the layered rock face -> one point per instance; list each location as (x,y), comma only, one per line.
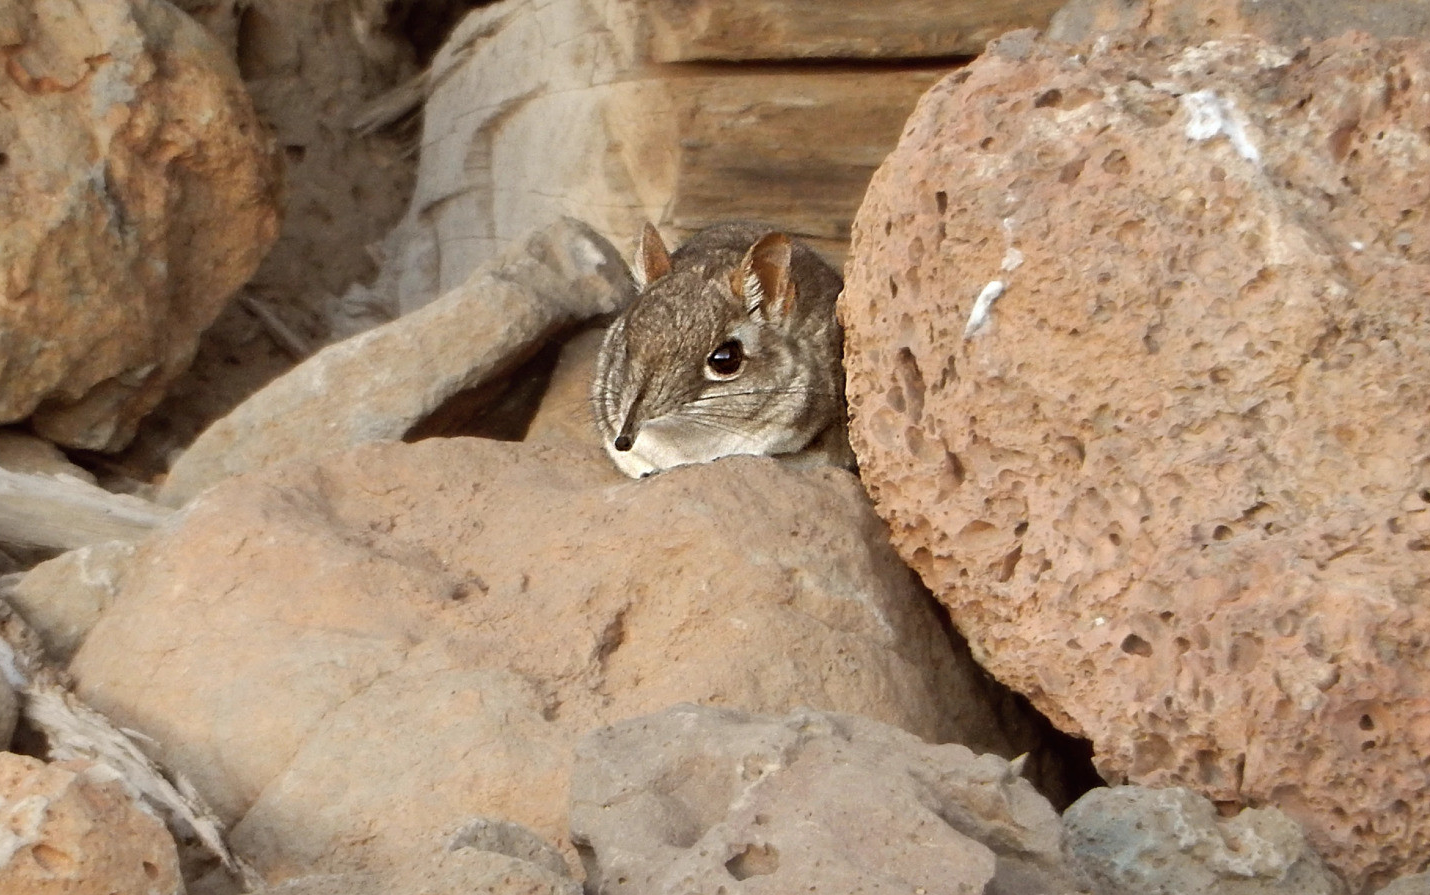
(137,193)
(360,653)
(1138,347)
(619,112)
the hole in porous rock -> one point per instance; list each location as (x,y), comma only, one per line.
(1116,163)
(1221,533)
(1134,645)
(54,861)
(985,143)
(1425,494)
(1071,171)
(940,199)
(1220,376)
(1053,98)
(1366,723)
(4,159)
(754,860)
(893,288)
(1009,564)
(1020,529)
(295,153)
(1114,539)
(151,869)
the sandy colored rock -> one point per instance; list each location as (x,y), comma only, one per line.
(698,799)
(137,193)
(364,651)
(1287,22)
(72,828)
(22,452)
(486,856)
(1169,472)
(379,384)
(1136,841)
(62,598)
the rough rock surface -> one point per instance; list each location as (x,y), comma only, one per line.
(1287,22)
(1136,841)
(490,857)
(364,650)
(1137,347)
(137,192)
(71,828)
(699,799)
(378,384)
(1416,884)
(62,598)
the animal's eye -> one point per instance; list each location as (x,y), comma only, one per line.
(725,361)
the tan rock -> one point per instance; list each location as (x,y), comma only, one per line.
(697,799)
(379,384)
(1169,474)
(72,828)
(22,452)
(1131,841)
(359,653)
(136,194)
(62,598)
(1287,22)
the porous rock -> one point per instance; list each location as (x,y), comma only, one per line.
(378,384)
(71,828)
(699,799)
(1137,347)
(137,193)
(366,649)
(1136,841)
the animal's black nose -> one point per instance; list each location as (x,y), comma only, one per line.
(624,442)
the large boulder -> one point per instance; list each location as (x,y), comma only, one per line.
(1137,346)
(360,652)
(138,191)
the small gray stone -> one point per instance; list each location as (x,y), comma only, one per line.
(1132,840)
(699,799)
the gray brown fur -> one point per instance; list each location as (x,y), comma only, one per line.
(652,374)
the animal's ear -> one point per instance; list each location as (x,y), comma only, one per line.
(763,278)
(652,258)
